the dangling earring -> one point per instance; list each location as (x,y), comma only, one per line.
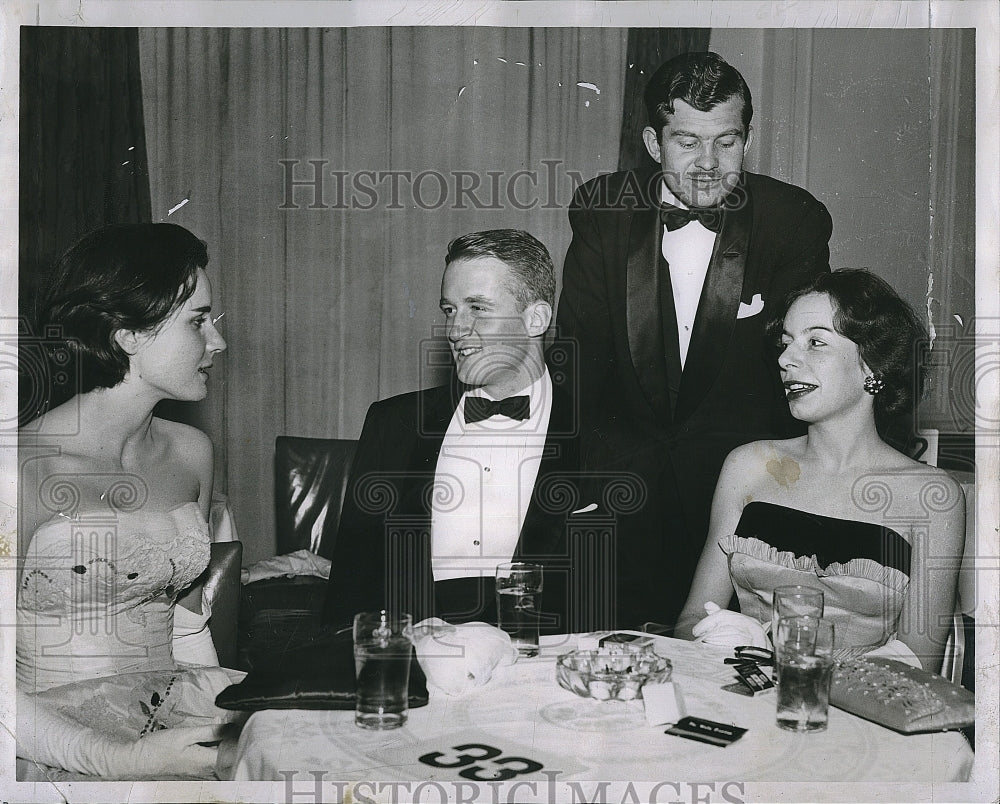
(874,384)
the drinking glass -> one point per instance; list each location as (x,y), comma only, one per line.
(803,658)
(382,649)
(795,601)
(519,593)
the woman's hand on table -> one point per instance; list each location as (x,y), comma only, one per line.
(185,751)
(729,629)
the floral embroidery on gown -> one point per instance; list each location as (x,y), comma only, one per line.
(95,611)
(862,569)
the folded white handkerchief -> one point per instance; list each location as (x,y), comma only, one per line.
(749,310)
(586,509)
(457,658)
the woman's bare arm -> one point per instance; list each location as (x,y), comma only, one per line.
(711,578)
(937,540)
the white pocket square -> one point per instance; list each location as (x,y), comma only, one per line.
(586,509)
(748,310)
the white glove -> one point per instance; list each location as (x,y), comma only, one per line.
(168,752)
(44,735)
(729,629)
(457,658)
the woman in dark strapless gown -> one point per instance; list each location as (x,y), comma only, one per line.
(114,535)
(837,509)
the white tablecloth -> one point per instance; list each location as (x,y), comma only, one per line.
(523,713)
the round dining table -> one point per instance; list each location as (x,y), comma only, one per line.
(522,728)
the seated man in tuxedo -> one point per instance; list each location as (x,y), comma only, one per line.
(451,481)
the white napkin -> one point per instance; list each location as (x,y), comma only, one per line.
(457,658)
(301,562)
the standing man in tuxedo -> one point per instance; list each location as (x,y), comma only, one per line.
(668,282)
(450,481)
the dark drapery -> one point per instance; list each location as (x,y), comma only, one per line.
(648,48)
(82,160)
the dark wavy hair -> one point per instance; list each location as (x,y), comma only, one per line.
(701,80)
(130,276)
(529,261)
(890,336)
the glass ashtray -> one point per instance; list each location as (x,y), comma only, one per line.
(611,674)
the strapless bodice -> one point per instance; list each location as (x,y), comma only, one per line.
(862,568)
(97,593)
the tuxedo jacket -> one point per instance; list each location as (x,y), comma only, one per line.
(674,428)
(382,555)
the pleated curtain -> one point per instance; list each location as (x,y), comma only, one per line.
(325,169)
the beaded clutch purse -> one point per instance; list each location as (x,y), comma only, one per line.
(900,697)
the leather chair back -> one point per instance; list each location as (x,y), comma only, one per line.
(222,588)
(310,482)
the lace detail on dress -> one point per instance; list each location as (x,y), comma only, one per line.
(98,593)
(121,563)
(856,568)
(95,614)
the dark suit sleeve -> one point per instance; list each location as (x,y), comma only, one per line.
(805,254)
(356,577)
(584,318)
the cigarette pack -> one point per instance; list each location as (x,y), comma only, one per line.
(599,640)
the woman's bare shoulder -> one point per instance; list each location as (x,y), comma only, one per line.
(184,442)
(61,424)
(50,470)
(756,454)
(934,487)
(930,495)
(908,474)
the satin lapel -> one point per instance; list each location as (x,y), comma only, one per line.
(716,317)
(544,522)
(671,344)
(436,409)
(645,322)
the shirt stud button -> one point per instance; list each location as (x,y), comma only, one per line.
(476,542)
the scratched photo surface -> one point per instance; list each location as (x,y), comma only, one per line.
(326,160)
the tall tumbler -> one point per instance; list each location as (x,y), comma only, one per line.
(795,601)
(519,597)
(803,657)
(382,649)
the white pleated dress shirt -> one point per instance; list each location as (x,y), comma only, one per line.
(484,478)
(687,250)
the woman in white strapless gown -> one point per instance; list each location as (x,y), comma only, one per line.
(113,512)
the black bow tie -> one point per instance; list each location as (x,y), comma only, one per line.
(674,217)
(478,408)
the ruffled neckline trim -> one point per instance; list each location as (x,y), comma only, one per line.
(866,568)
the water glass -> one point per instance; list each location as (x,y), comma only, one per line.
(519,597)
(382,649)
(803,658)
(795,601)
